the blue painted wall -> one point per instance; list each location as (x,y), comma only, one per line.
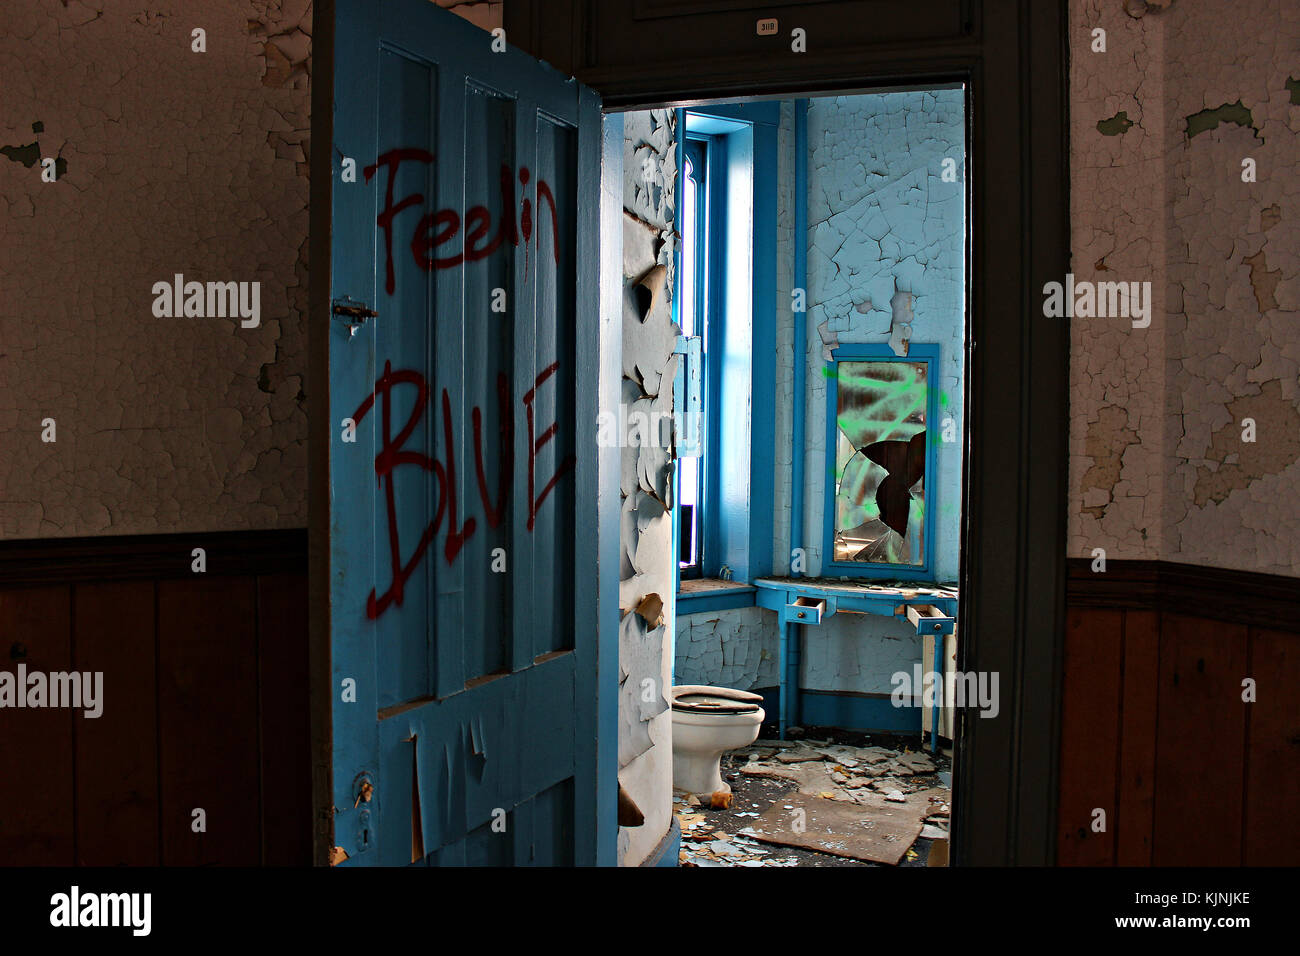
(886,252)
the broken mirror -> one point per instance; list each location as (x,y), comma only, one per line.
(879,481)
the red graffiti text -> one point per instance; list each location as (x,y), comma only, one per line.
(393,454)
(435,229)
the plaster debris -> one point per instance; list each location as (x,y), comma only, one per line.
(810,798)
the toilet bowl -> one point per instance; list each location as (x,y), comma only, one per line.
(707,722)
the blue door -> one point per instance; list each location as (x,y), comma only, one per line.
(463,348)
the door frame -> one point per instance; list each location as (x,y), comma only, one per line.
(320,215)
(1013,54)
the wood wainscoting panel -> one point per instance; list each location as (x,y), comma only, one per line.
(1201,777)
(208,719)
(1271,827)
(205,701)
(1090,729)
(1137,755)
(117,753)
(286,719)
(37,797)
(1200,752)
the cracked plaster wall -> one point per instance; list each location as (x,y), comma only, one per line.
(881,222)
(173,161)
(886,251)
(647,592)
(169,161)
(1158,467)
(740,648)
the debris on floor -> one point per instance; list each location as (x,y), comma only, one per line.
(843,800)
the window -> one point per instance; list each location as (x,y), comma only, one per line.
(693,312)
(880,483)
(725,306)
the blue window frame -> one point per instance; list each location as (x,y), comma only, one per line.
(733,265)
(693,310)
(881,487)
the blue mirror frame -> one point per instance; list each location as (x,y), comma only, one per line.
(929,354)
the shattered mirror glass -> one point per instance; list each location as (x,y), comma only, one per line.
(880,462)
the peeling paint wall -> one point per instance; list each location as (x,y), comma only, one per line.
(886,260)
(859,653)
(647,591)
(1117,373)
(171,161)
(1159,465)
(741,648)
(733,648)
(168,161)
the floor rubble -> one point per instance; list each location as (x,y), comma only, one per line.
(832,799)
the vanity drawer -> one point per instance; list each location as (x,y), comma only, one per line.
(804,610)
(928,619)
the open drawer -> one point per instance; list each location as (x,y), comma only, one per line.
(928,619)
(804,610)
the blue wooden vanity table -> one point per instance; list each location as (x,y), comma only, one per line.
(807,602)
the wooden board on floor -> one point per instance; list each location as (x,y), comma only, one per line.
(875,830)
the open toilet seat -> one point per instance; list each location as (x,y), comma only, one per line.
(700,699)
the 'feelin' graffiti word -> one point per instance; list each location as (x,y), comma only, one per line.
(436,229)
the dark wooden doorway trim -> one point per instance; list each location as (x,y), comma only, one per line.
(319,433)
(1013,54)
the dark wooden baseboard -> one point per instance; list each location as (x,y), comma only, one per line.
(154,556)
(1243,597)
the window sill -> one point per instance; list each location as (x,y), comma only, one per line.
(698,595)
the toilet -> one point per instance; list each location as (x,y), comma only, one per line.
(707,722)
